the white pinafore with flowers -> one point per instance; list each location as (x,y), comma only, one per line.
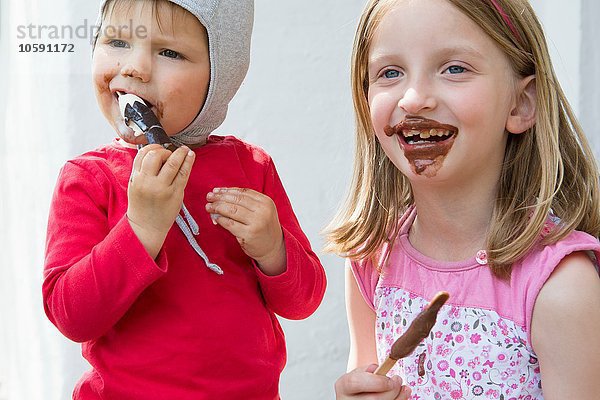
(480,346)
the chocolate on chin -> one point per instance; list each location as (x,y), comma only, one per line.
(139,117)
(416,332)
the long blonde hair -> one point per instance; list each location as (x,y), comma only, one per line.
(548,168)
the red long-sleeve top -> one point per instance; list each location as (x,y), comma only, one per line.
(170,328)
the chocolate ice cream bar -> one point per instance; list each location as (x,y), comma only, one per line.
(416,332)
(139,117)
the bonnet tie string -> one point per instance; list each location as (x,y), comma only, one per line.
(189,227)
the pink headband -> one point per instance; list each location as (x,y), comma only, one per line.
(506,19)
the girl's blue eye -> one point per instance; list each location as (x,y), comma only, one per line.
(391,74)
(456,69)
(170,53)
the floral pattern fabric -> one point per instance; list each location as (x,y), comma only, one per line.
(471,353)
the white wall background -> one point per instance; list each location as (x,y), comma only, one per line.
(295,103)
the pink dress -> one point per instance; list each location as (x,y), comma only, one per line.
(480,346)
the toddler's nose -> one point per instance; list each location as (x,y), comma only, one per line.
(137,67)
(415,101)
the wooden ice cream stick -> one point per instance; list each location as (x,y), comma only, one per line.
(416,332)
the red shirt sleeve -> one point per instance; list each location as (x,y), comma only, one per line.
(296,293)
(93,272)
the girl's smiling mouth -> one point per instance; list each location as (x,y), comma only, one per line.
(421,131)
(425,142)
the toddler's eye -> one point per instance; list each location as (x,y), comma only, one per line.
(170,53)
(118,43)
(456,69)
(391,74)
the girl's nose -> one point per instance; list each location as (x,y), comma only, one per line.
(139,66)
(415,101)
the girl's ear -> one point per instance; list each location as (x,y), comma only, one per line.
(522,115)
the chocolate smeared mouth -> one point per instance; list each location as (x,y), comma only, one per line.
(425,143)
(119,93)
(417,130)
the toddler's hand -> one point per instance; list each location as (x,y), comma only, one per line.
(252,218)
(155,192)
(361,383)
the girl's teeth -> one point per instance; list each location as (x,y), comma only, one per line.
(426,134)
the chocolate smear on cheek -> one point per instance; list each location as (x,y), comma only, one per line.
(159,109)
(103,88)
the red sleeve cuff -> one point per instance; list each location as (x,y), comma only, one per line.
(133,253)
(291,275)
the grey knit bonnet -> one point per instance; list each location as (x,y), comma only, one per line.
(229,27)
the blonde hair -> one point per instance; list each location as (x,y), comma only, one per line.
(548,168)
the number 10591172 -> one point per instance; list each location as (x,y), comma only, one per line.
(46,48)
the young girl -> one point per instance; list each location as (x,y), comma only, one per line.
(472,176)
(166,313)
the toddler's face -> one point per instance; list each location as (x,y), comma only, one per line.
(167,65)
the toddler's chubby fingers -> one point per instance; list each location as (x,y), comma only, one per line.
(147,162)
(236,228)
(233,216)
(245,194)
(153,161)
(176,170)
(141,154)
(230,208)
(245,198)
